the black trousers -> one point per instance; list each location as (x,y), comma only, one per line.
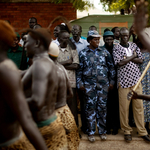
(72,103)
(82,99)
(112,119)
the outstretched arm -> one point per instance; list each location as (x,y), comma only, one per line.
(140,22)
(11,83)
(139,96)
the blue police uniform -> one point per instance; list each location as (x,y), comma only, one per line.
(95,73)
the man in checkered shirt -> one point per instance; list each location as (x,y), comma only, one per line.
(127,57)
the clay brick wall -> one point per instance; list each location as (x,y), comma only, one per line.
(19,13)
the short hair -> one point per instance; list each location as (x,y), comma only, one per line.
(80,28)
(106,30)
(42,34)
(63,28)
(92,27)
(90,38)
(123,29)
(8,34)
(34,19)
(61,32)
(113,29)
(70,43)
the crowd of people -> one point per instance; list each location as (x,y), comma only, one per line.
(46,83)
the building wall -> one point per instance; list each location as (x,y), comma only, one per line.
(19,13)
(96,20)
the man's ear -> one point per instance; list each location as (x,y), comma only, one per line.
(37,43)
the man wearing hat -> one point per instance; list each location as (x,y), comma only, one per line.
(17,55)
(112,121)
(94,76)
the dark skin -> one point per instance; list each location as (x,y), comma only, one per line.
(15,45)
(40,82)
(109,46)
(132,32)
(68,64)
(32,23)
(76,32)
(56,31)
(124,41)
(109,43)
(36,26)
(135,95)
(15,113)
(140,22)
(64,87)
(93,28)
(117,33)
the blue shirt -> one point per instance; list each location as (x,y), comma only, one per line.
(81,44)
(56,41)
(96,67)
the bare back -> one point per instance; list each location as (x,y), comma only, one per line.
(64,87)
(40,85)
(9,126)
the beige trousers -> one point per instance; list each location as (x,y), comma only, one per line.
(138,111)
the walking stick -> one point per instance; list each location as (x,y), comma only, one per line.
(129,96)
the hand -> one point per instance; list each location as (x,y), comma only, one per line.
(111,86)
(70,61)
(135,54)
(132,95)
(82,88)
(135,95)
(141,16)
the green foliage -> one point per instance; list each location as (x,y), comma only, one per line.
(77,4)
(121,4)
(117,5)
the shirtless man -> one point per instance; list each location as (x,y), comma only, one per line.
(14,111)
(40,84)
(64,93)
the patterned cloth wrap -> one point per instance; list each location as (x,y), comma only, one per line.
(54,135)
(22,143)
(146,85)
(70,126)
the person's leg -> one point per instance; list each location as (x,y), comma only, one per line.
(115,110)
(81,96)
(90,111)
(124,109)
(101,109)
(138,113)
(72,103)
(109,117)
